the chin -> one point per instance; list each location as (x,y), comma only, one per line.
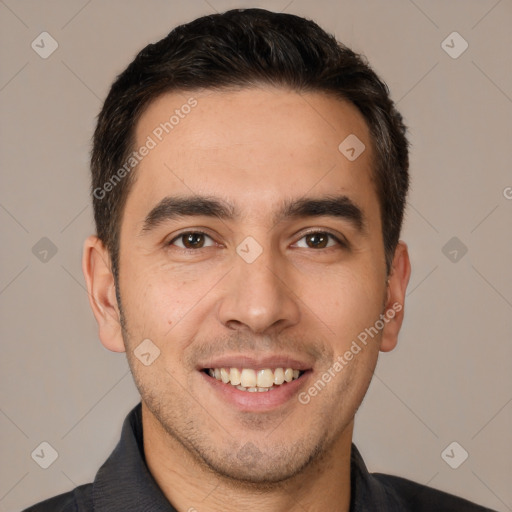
(249,467)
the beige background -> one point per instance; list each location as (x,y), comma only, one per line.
(450,377)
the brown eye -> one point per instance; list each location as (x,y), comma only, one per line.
(191,240)
(319,240)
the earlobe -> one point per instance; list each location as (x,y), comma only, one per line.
(395,298)
(102,294)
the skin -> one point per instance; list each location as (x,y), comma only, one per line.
(296,298)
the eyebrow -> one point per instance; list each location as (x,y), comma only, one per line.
(175,207)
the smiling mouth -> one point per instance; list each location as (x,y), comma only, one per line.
(248,379)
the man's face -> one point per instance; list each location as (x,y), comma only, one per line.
(264,285)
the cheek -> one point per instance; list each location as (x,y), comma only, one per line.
(347,301)
(156,299)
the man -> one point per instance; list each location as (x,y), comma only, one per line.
(249,180)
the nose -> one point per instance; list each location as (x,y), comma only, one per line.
(259,296)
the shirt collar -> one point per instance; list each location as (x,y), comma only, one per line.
(366,492)
(124,482)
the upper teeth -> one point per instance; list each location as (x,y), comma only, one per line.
(249,378)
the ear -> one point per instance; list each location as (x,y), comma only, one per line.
(396,288)
(96,267)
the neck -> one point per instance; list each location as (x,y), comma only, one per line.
(191,486)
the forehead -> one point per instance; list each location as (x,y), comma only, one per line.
(253,147)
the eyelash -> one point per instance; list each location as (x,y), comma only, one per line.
(341,243)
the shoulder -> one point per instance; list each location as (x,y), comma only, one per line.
(77,500)
(420,498)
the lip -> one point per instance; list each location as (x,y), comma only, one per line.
(246,401)
(256,363)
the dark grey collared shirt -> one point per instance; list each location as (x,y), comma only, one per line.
(124,484)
